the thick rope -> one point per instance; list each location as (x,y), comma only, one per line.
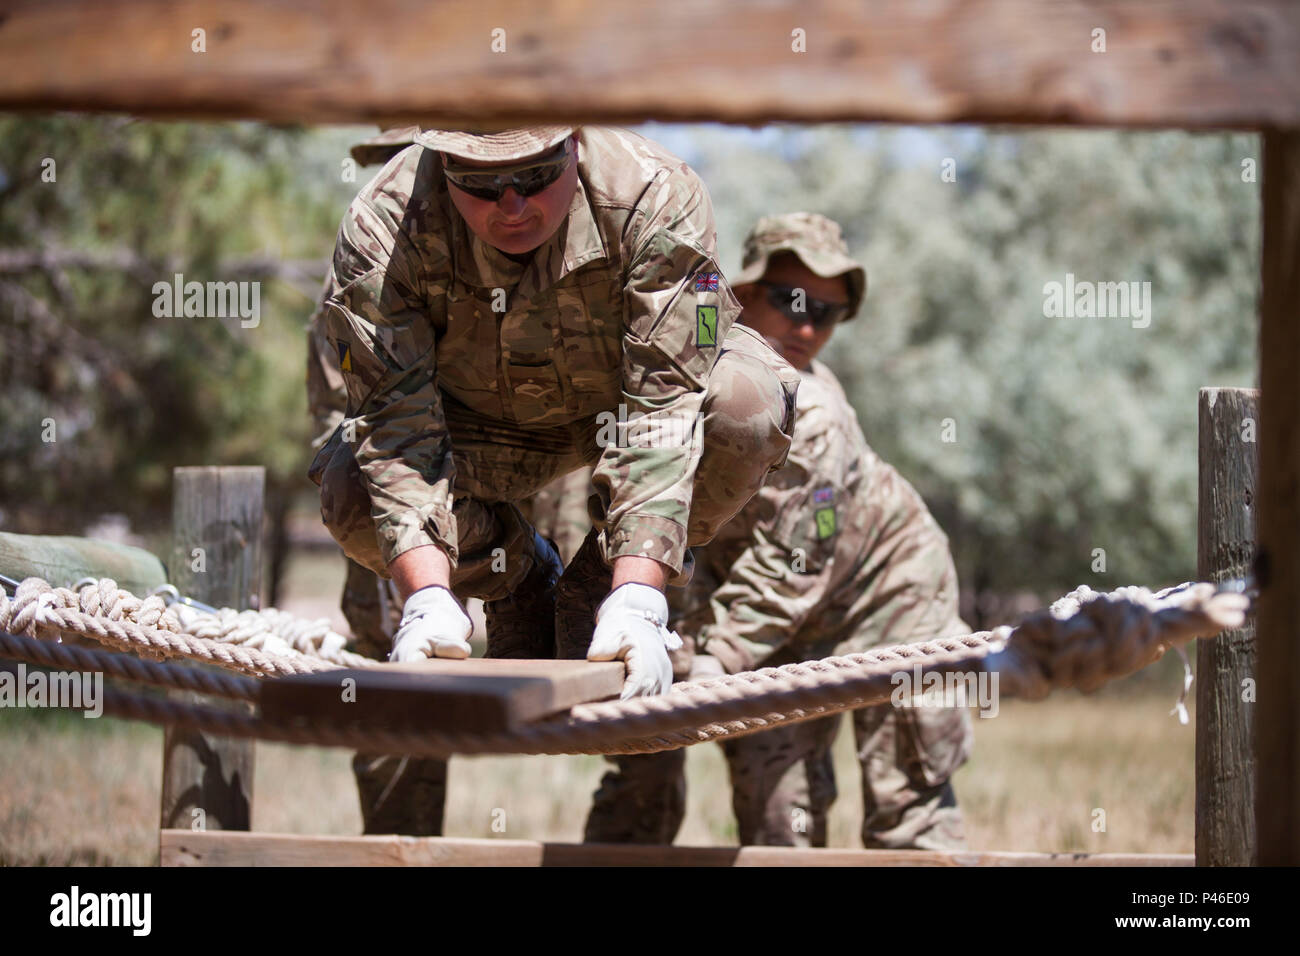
(70,657)
(118,619)
(1082,641)
(272,631)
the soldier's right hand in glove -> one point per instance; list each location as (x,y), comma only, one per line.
(631,625)
(433,625)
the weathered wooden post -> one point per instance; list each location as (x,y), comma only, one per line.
(1226,665)
(216,559)
(1277,725)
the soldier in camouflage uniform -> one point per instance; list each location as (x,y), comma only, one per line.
(507,309)
(837,554)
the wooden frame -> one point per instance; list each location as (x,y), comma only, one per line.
(1194,64)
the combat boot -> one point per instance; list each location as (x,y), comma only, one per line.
(522,625)
(584,584)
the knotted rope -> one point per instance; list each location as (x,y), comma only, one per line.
(118,619)
(1083,640)
(272,631)
(70,657)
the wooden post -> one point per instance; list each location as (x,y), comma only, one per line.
(1277,723)
(216,559)
(1225,710)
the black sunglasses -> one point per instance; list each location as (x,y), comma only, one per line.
(822,315)
(527,179)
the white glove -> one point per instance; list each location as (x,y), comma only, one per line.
(631,625)
(433,625)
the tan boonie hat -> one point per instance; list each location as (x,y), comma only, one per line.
(382,148)
(817,242)
(500,147)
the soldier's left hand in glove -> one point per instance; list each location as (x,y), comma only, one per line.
(632,626)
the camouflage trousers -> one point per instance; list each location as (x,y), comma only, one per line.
(783,780)
(783,784)
(559,512)
(748,419)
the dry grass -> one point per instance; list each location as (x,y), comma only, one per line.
(86,791)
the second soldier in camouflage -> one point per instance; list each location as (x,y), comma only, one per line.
(837,554)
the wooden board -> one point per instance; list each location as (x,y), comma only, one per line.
(63,560)
(475,694)
(186,848)
(1185,63)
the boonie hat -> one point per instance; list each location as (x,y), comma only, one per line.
(382,148)
(817,242)
(499,147)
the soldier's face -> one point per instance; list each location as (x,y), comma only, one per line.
(798,343)
(514,223)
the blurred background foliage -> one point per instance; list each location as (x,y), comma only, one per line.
(1072,434)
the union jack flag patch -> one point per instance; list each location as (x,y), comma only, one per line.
(706,282)
(823,496)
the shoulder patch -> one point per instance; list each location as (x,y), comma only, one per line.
(706,321)
(706,282)
(825,518)
(345,356)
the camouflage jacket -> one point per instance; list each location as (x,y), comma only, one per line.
(835,554)
(624,304)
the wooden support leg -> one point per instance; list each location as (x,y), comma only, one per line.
(1225,706)
(216,558)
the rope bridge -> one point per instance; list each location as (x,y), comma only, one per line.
(1084,640)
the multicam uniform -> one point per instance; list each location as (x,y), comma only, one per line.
(474,380)
(837,554)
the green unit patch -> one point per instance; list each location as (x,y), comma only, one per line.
(706,320)
(825,522)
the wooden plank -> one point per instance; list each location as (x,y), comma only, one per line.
(64,560)
(1183,63)
(1225,750)
(479,694)
(1277,724)
(186,848)
(216,558)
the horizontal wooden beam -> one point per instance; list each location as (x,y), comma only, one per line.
(217,848)
(63,560)
(442,695)
(1173,63)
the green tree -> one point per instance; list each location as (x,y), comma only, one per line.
(94,211)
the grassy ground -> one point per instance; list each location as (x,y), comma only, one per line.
(82,791)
